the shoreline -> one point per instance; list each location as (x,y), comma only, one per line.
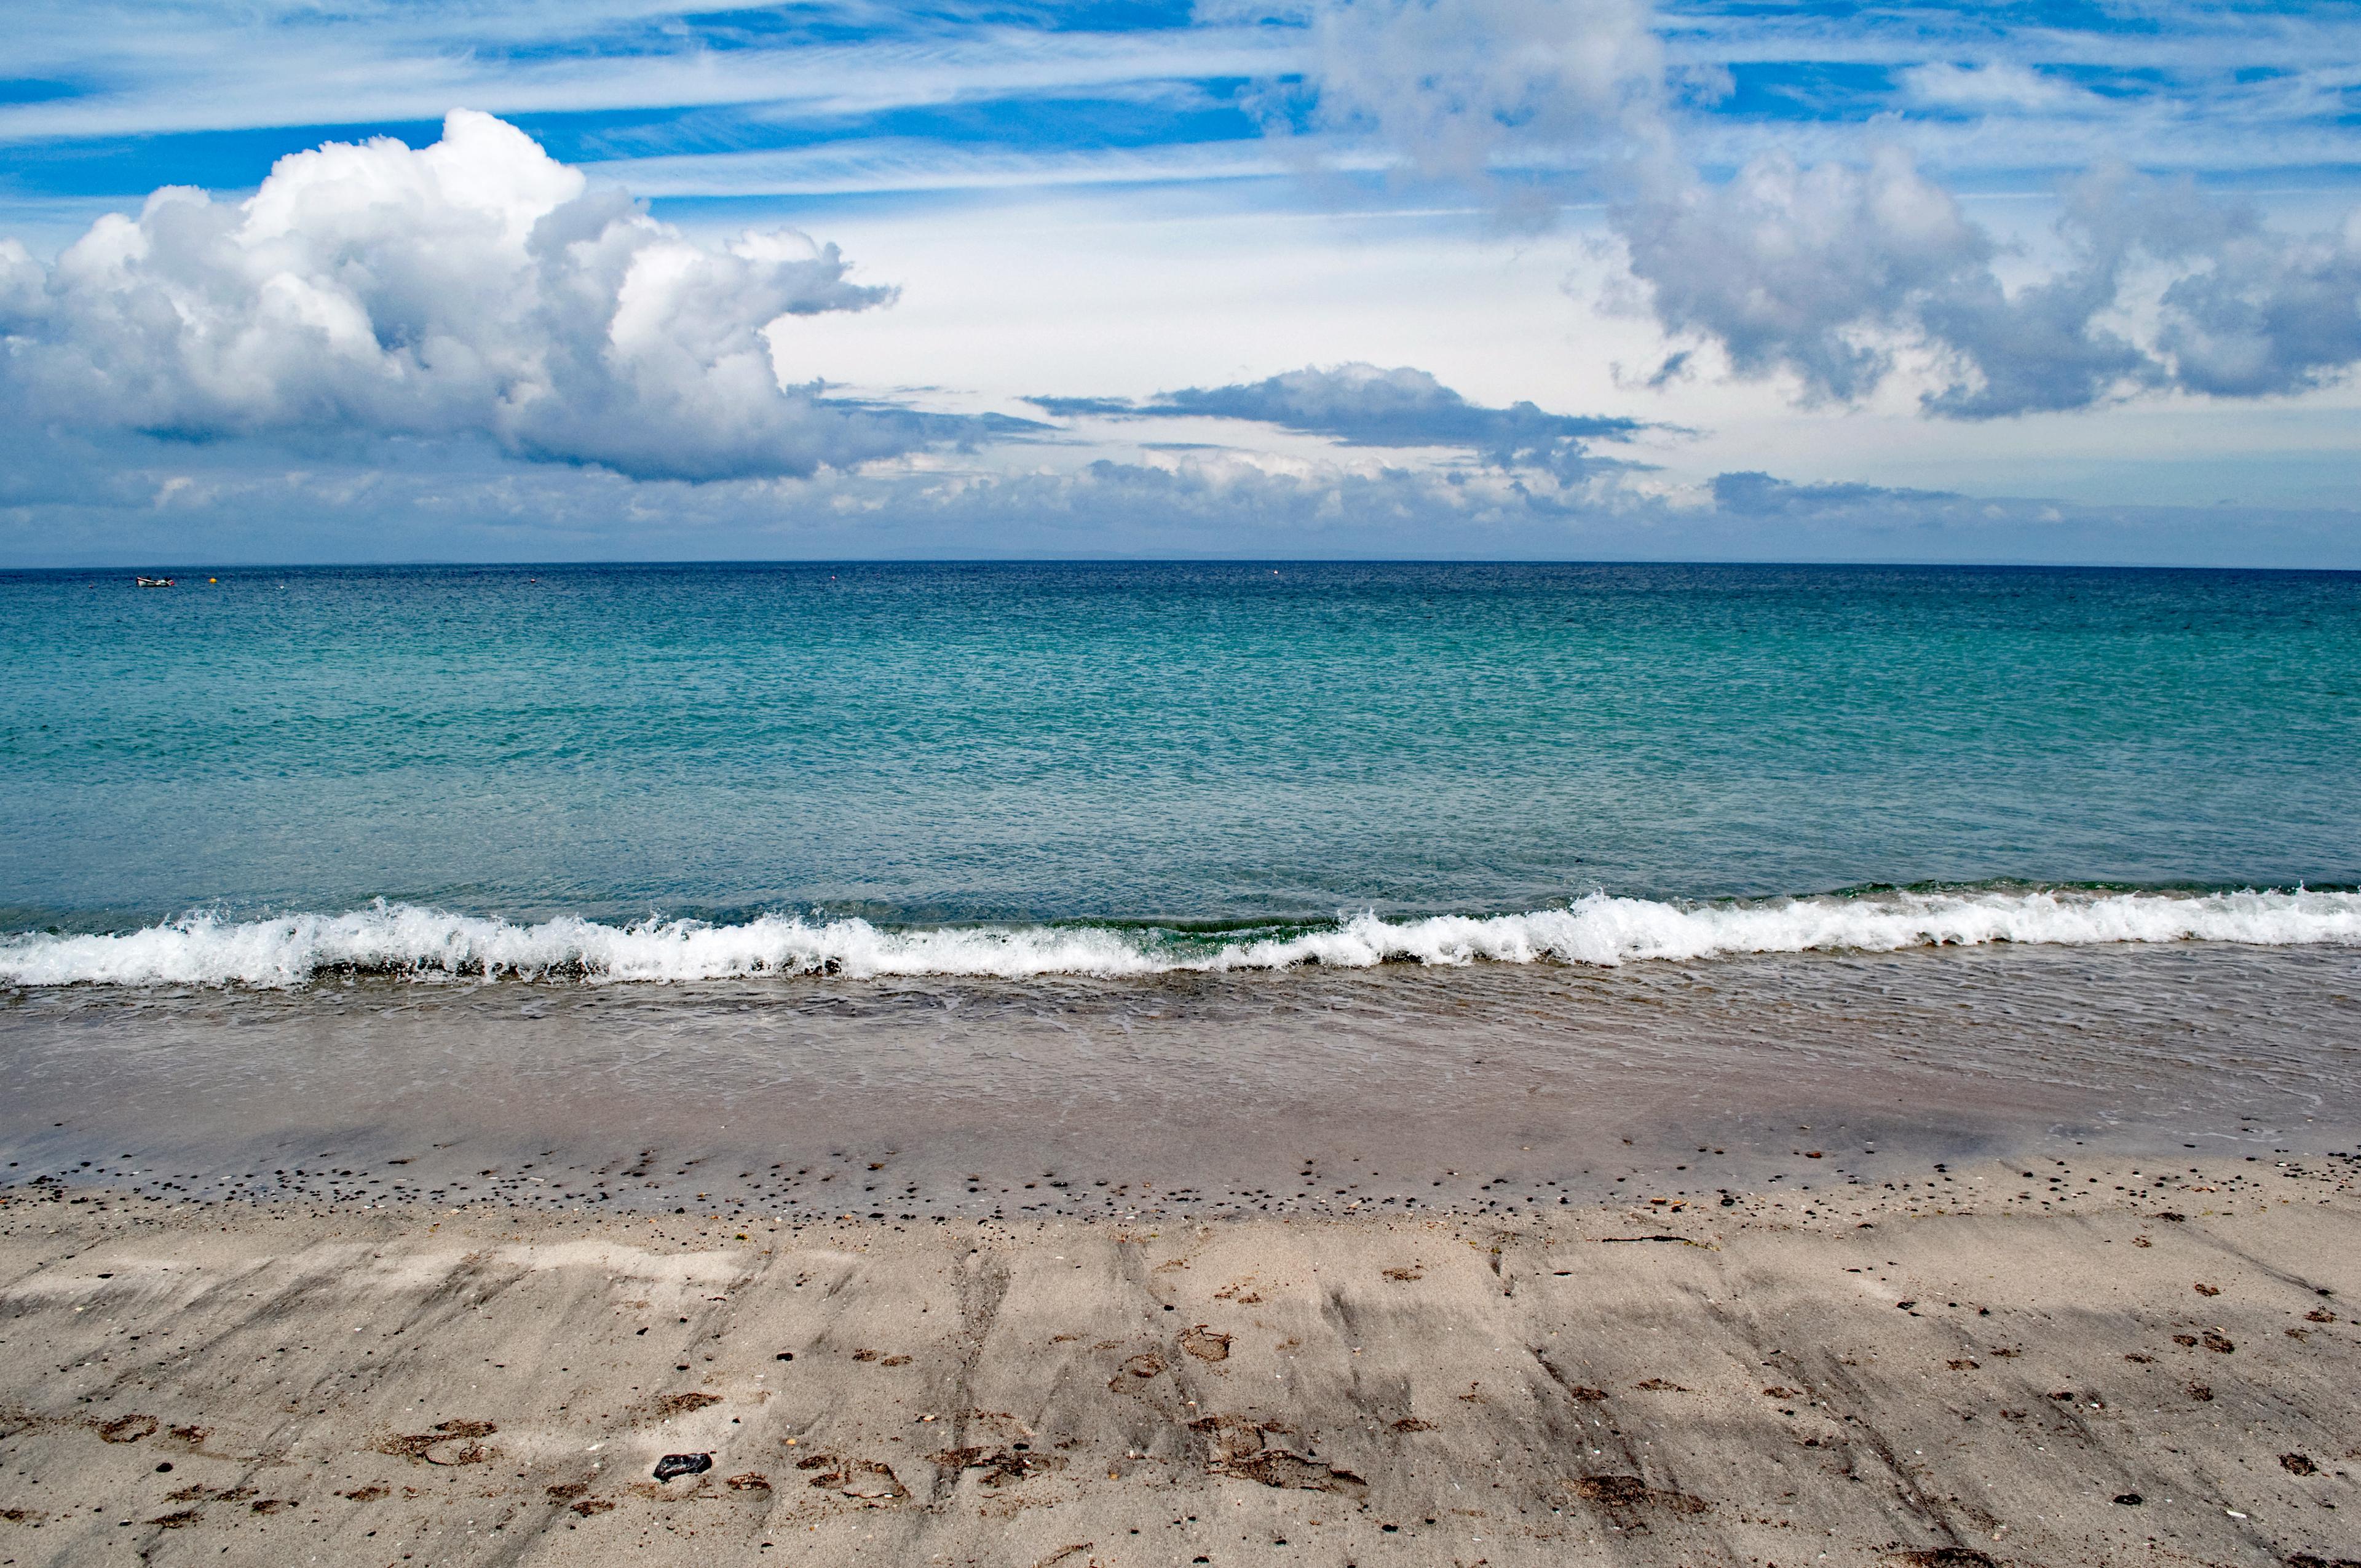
(418,943)
(1665,1383)
(1450,1091)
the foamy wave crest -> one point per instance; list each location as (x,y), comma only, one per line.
(419,943)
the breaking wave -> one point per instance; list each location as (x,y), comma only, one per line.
(410,941)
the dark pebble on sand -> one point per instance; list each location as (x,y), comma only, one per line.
(2128,1499)
(673,1464)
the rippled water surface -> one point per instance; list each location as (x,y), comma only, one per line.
(1156,743)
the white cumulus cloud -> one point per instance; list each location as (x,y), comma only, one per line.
(1822,273)
(474,287)
(1825,273)
(1784,264)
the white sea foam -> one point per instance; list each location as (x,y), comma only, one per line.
(408,941)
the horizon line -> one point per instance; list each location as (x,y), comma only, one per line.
(817,562)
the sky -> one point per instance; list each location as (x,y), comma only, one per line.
(615,279)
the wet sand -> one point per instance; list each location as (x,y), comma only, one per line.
(1495,1088)
(2086,1360)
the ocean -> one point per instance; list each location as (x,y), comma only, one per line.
(776,824)
(671,772)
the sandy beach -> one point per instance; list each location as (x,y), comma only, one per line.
(2078,1363)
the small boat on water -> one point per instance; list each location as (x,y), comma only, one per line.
(155,581)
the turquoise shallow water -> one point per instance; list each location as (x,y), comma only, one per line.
(1233,744)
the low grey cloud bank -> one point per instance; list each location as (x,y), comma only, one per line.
(1363,405)
(474,287)
(188,506)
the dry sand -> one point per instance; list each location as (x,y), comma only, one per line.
(2160,1369)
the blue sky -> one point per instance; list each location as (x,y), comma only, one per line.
(1342,276)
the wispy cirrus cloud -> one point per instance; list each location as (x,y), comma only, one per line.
(878,165)
(201,69)
(2229,88)
(2166,35)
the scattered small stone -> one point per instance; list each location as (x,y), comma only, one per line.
(673,1464)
